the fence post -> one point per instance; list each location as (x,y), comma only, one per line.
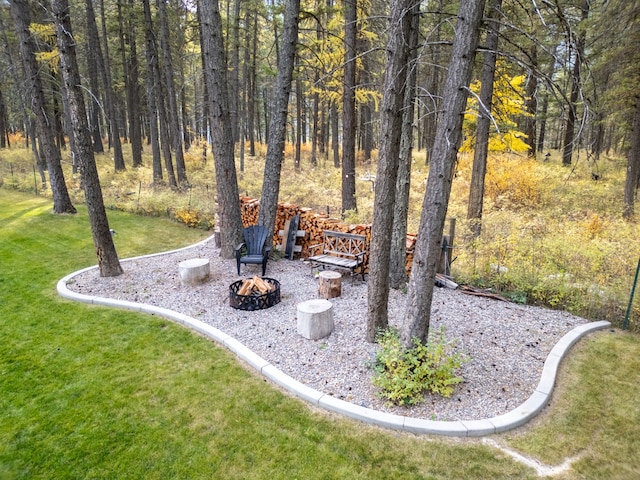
(633,291)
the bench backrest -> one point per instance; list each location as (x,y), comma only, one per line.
(348,244)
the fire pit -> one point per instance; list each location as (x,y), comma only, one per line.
(254,293)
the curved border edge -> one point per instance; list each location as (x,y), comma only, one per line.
(459,428)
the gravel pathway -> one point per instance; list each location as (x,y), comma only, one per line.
(506,343)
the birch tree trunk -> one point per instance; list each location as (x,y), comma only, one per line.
(445,149)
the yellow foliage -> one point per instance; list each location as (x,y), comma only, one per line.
(508,103)
(508,142)
(44,31)
(194,218)
(546,237)
(594,225)
(513,180)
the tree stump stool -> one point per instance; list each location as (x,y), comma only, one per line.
(194,271)
(315,319)
(329,284)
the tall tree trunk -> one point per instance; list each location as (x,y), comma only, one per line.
(173,114)
(252,93)
(154,136)
(108,262)
(349,109)
(323,133)
(133,90)
(366,124)
(569,140)
(222,137)
(234,71)
(386,175)
(57,114)
(123,60)
(94,104)
(152,108)
(4,130)
(445,149)
(531,104)
(542,124)
(34,91)
(544,107)
(335,142)
(315,111)
(245,87)
(433,93)
(315,100)
(278,123)
(632,181)
(156,83)
(397,268)
(110,99)
(481,150)
(30,125)
(598,140)
(299,126)
(204,129)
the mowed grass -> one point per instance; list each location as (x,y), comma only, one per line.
(90,392)
(595,414)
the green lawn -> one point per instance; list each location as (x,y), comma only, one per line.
(90,392)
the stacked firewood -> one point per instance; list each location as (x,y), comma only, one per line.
(285,212)
(411,246)
(249,208)
(255,286)
(313,225)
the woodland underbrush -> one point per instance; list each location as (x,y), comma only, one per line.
(551,235)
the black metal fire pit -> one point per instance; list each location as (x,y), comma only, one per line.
(254,301)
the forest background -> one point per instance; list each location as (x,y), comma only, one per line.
(557,216)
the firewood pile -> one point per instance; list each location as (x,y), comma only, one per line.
(255,286)
(249,208)
(411,246)
(313,224)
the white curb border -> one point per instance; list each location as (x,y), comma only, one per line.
(461,428)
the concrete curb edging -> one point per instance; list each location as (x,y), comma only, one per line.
(460,428)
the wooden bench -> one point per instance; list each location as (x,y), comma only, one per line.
(341,250)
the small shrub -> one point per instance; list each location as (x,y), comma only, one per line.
(594,226)
(511,183)
(406,375)
(194,218)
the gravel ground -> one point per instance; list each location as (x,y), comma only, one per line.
(506,343)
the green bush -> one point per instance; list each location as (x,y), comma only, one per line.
(406,375)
